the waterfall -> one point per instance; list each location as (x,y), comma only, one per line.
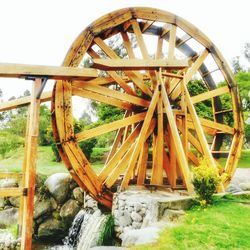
(86,229)
(82,216)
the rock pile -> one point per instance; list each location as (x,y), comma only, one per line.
(58,199)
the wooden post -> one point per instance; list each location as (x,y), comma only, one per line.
(30,168)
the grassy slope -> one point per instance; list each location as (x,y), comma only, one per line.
(224,225)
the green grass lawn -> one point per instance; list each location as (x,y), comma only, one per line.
(244,161)
(45,163)
(225,225)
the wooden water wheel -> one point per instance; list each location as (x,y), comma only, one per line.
(163,131)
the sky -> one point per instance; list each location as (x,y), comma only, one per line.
(41,31)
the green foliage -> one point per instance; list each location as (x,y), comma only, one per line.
(87,146)
(9,142)
(203,109)
(45,135)
(205,180)
(107,233)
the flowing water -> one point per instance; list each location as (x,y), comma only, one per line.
(84,233)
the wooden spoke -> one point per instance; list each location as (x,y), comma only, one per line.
(196,65)
(142,47)
(215,126)
(116,95)
(110,127)
(198,128)
(101,98)
(172,41)
(210,94)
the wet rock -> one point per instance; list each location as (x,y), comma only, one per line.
(52,229)
(43,207)
(2,202)
(5,183)
(69,210)
(8,217)
(90,202)
(59,186)
(14,201)
(125,220)
(138,207)
(78,195)
(136,225)
(136,217)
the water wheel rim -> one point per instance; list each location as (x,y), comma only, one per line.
(164,25)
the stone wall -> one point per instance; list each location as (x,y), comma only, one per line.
(138,214)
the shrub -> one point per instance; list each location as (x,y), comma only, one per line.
(205,180)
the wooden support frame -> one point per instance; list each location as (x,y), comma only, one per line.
(29,169)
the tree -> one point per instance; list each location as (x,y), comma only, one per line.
(247,51)
(236,64)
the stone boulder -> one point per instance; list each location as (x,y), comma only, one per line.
(69,210)
(78,195)
(59,186)
(7,183)
(8,217)
(43,207)
(52,229)
(14,201)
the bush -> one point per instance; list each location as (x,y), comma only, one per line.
(205,180)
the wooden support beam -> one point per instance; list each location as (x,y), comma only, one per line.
(11,192)
(30,168)
(118,79)
(157,169)
(10,175)
(119,154)
(103,129)
(142,164)
(139,64)
(23,101)
(141,139)
(182,160)
(50,72)
(210,94)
